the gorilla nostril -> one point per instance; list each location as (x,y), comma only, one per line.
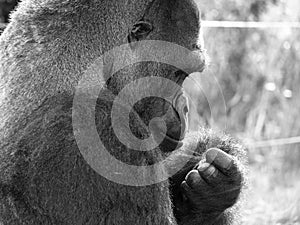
(185,110)
(196,47)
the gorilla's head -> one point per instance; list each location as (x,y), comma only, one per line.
(172,21)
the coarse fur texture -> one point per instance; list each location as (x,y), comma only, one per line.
(43,177)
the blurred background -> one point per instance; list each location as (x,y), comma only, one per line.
(251,89)
(258,72)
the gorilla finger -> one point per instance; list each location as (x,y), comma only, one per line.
(221,160)
(194,180)
(210,173)
(187,191)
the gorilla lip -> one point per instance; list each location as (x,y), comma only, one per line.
(180,76)
(180,106)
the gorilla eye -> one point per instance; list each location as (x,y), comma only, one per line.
(139,31)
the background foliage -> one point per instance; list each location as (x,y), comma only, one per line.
(259,74)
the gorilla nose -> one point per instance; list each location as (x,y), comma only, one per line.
(196,62)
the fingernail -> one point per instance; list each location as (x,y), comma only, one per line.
(211,154)
(211,171)
(203,166)
(219,157)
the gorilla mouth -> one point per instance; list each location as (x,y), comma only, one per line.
(177,124)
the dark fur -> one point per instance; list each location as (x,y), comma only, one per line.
(43,177)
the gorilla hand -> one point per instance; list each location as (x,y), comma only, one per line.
(214,184)
(207,189)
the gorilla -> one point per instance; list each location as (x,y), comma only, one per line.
(44,177)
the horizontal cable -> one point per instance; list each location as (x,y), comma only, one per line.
(272,143)
(237,24)
(248,24)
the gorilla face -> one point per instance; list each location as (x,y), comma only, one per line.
(174,21)
(166,120)
(178,22)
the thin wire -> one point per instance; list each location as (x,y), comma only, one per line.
(237,24)
(275,142)
(248,24)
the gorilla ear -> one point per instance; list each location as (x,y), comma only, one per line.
(139,31)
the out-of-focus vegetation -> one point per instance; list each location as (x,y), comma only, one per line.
(258,71)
